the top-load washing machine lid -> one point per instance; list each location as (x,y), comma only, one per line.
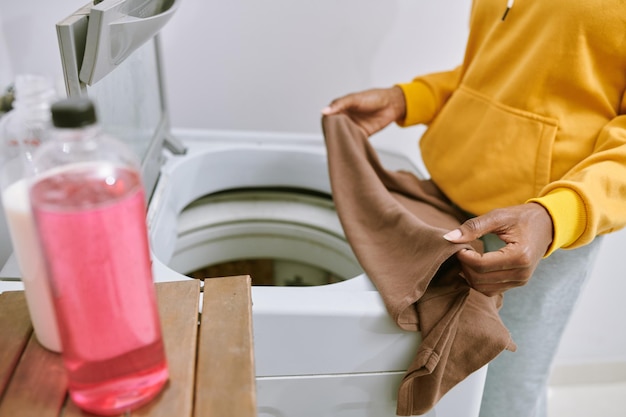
(110,52)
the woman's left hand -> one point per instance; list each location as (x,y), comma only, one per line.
(526,231)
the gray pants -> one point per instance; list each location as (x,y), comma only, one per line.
(536,315)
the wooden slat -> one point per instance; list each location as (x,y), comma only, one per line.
(178,307)
(225,350)
(39,384)
(15,329)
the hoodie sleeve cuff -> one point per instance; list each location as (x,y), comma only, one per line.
(569,217)
(420,103)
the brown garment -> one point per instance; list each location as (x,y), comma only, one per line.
(395,223)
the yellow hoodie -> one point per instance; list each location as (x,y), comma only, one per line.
(536,112)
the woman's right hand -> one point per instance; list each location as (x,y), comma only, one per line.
(372,110)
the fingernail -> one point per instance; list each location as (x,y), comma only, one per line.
(453,235)
(326,110)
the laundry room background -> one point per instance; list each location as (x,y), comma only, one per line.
(272,65)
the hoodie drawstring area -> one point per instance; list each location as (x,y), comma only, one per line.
(509,5)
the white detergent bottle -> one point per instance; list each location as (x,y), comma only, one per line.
(21,131)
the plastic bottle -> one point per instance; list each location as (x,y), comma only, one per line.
(89,205)
(21,131)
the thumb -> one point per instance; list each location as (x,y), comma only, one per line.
(455,236)
(472,229)
(345,103)
(337,106)
(329,110)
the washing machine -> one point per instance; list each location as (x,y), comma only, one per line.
(222,202)
(324,343)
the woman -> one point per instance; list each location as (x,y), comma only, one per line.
(529,135)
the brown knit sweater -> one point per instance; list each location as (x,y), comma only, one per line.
(395,223)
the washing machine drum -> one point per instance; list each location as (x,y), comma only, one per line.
(281,237)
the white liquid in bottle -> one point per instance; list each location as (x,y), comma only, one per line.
(32,265)
(21,131)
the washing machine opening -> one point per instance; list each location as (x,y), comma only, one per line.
(278,236)
(273,272)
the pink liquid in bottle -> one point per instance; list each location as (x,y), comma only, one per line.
(91,220)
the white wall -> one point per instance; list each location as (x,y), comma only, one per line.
(272,65)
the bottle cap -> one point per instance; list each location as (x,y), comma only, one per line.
(73,113)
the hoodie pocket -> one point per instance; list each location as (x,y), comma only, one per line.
(485,155)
